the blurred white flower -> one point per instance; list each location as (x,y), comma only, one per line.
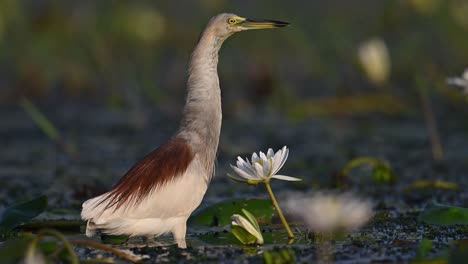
(262,167)
(250,226)
(375,60)
(330,212)
(461,82)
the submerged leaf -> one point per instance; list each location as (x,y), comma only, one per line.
(22,212)
(439,214)
(220,214)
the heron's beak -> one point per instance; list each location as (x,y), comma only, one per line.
(261,24)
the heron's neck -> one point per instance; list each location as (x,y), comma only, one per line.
(201,122)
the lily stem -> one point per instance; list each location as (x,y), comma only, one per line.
(278,210)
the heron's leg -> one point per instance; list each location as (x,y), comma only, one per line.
(178,232)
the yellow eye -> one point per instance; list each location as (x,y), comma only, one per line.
(231,21)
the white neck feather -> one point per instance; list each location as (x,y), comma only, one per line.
(201,122)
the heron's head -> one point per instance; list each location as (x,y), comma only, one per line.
(224,25)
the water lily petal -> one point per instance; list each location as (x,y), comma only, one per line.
(279,159)
(286,178)
(267,168)
(245,166)
(270,153)
(284,156)
(242,173)
(259,171)
(255,158)
(263,156)
(236,178)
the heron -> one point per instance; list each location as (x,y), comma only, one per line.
(160,192)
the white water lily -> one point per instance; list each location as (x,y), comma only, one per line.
(329,213)
(262,167)
(250,226)
(461,82)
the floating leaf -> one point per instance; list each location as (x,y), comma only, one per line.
(68,226)
(22,212)
(276,237)
(113,240)
(439,214)
(220,214)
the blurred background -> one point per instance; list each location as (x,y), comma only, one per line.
(134,53)
(346,79)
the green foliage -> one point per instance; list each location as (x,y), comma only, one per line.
(40,119)
(427,184)
(381,173)
(246,230)
(424,249)
(220,214)
(439,214)
(114,240)
(22,212)
(283,256)
(244,237)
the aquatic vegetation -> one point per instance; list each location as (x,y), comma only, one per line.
(440,214)
(381,173)
(261,169)
(219,214)
(20,213)
(247,229)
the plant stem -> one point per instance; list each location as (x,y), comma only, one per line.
(112,250)
(278,210)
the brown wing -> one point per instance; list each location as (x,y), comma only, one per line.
(162,165)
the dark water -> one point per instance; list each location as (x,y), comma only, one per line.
(109,142)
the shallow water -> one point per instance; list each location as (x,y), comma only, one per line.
(109,142)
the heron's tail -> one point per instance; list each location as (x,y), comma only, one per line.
(95,211)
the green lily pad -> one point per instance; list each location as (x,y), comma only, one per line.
(22,212)
(220,214)
(67,226)
(227,238)
(439,214)
(114,240)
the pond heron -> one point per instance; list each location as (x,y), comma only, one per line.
(158,194)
